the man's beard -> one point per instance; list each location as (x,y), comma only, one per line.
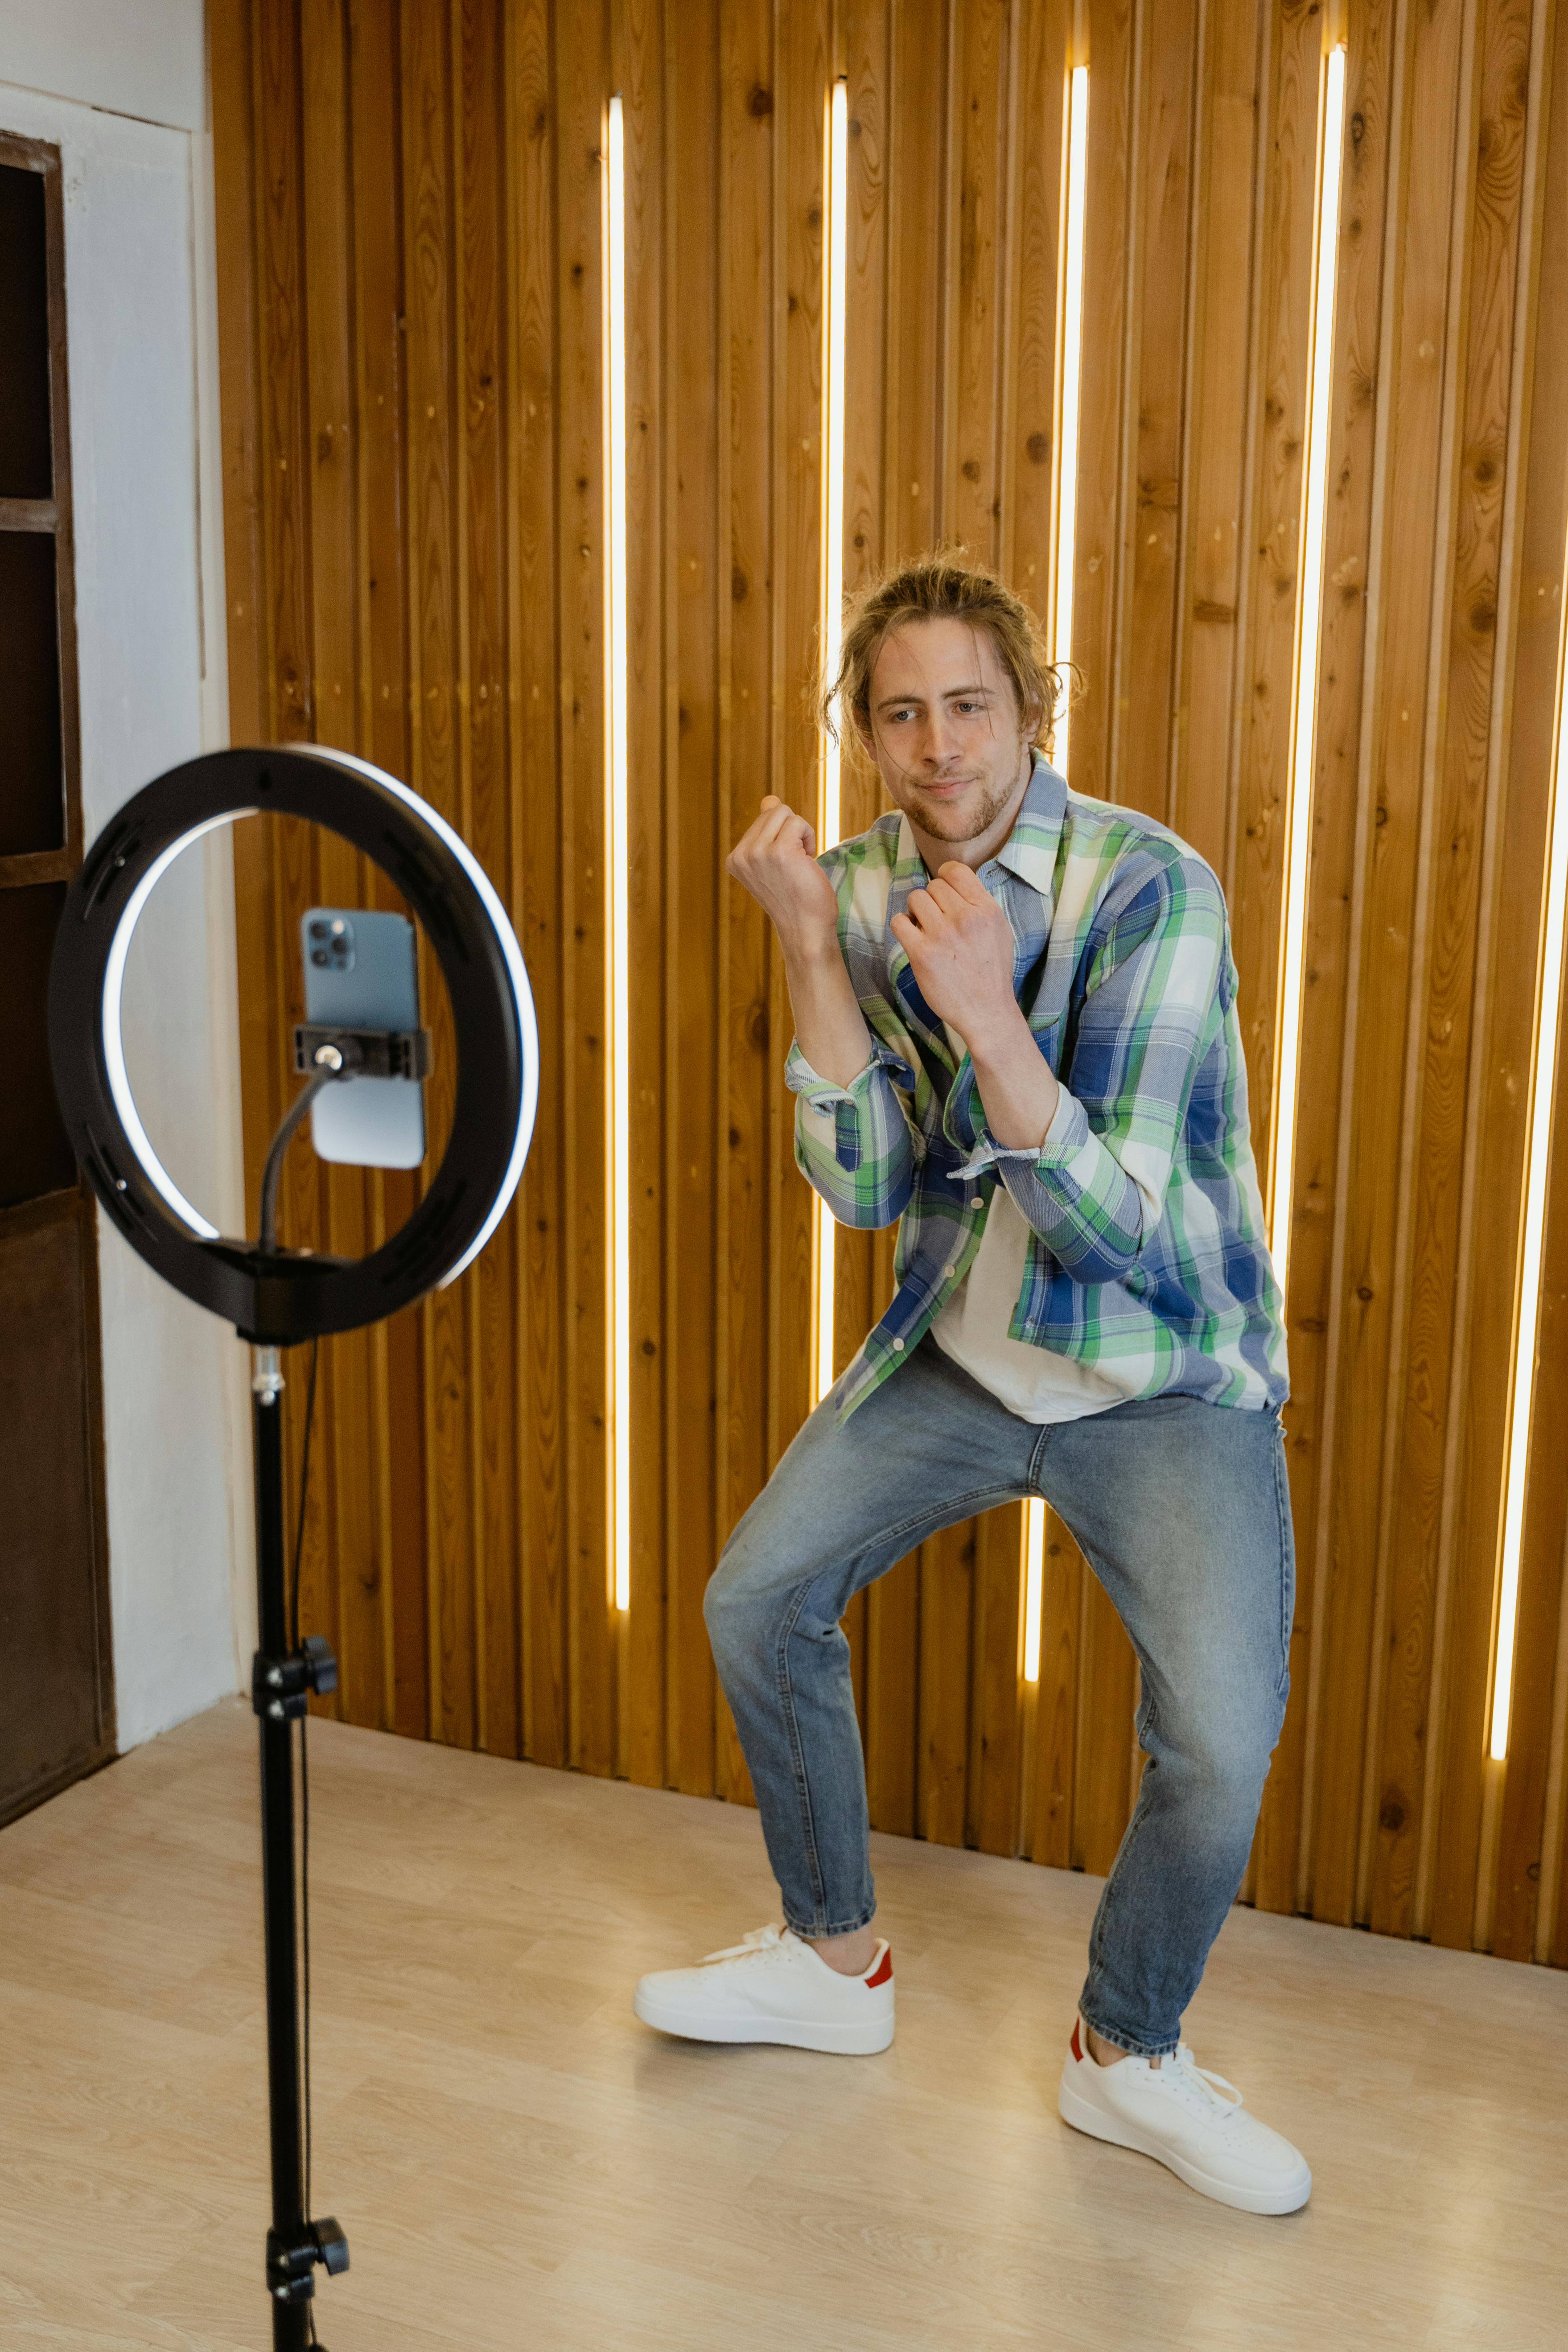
(948,824)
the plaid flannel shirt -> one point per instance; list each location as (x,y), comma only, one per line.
(1147,1256)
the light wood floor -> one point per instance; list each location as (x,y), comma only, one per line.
(520,2164)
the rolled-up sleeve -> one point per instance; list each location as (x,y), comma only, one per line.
(856,1145)
(1094,1188)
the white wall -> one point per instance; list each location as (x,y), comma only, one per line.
(119,85)
(144,57)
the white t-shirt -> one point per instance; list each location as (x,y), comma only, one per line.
(1033,1383)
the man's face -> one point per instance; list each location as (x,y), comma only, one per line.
(945,730)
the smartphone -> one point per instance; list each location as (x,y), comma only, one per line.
(361,971)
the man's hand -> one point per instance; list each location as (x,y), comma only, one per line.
(959,947)
(775,862)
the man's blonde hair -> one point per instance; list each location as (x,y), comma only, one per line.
(943,586)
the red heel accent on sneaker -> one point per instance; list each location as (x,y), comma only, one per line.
(1077,2045)
(883,1972)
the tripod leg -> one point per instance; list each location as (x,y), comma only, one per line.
(290,2316)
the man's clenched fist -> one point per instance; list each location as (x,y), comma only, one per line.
(775,860)
(959,947)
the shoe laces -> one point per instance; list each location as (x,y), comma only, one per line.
(1197,2088)
(761,1939)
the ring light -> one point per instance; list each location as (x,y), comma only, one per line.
(275,1298)
(293,1294)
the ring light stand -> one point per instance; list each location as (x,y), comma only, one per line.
(277,1297)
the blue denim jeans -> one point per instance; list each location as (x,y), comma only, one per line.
(1181,1511)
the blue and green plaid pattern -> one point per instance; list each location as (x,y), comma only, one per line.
(1147,1256)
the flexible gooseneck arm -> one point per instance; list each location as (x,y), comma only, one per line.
(322,1077)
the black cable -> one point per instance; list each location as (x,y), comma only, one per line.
(273,1170)
(305,1776)
(305,1492)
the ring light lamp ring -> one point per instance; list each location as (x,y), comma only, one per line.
(296,1296)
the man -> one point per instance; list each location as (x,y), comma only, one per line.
(1016,1030)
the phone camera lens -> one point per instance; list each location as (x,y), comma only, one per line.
(320,932)
(319,956)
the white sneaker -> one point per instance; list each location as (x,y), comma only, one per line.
(1176,2113)
(772,1988)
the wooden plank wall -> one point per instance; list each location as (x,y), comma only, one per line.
(411,204)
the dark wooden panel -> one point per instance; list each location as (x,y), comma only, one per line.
(26,458)
(36,1156)
(57,1717)
(32,782)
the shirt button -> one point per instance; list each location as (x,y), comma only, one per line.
(899,1346)
(948,1272)
(976,1202)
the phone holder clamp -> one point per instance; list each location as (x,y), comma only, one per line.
(361,1053)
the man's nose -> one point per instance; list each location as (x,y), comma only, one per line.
(940,741)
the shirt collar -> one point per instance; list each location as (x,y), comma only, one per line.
(1030,849)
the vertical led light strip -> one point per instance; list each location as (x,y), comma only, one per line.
(1069,368)
(835,252)
(1304,682)
(614,376)
(1034,1584)
(1543,1088)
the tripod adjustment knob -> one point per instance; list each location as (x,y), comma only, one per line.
(332,2246)
(280,1688)
(291,2261)
(320,1667)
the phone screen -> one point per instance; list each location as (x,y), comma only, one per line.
(361,971)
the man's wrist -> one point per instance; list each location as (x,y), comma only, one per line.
(990,1038)
(812,950)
